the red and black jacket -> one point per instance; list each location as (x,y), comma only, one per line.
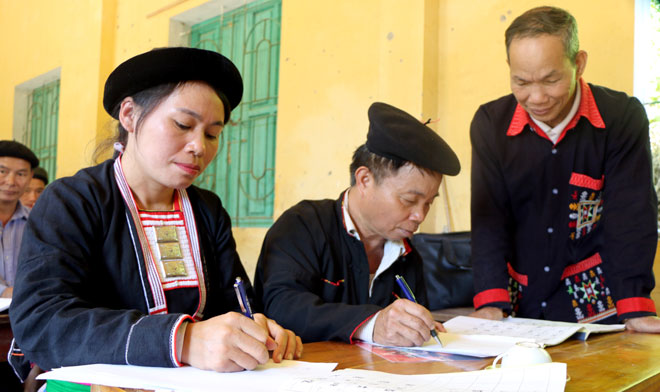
(564,231)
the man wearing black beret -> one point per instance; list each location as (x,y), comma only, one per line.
(16,165)
(327,267)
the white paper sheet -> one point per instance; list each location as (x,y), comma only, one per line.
(549,377)
(472,345)
(4,304)
(266,377)
(582,334)
(542,331)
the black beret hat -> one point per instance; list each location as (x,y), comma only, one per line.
(173,65)
(397,135)
(10,148)
(40,174)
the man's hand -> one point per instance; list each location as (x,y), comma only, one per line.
(287,344)
(649,324)
(404,323)
(227,343)
(489,313)
(8,292)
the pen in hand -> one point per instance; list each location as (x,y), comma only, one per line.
(239,288)
(409,294)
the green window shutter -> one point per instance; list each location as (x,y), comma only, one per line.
(243,172)
(43,113)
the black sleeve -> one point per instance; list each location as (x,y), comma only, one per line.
(290,275)
(421,293)
(60,311)
(630,213)
(491,217)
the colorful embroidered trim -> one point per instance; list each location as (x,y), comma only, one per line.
(518,277)
(336,284)
(584,181)
(153,276)
(152,221)
(582,266)
(634,304)
(489,296)
(598,317)
(174,333)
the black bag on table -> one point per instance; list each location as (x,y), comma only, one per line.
(447,268)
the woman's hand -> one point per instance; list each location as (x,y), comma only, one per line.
(227,343)
(232,342)
(286,344)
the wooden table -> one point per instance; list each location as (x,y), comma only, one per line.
(622,361)
(448,314)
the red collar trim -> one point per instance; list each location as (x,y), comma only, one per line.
(177,202)
(518,122)
(587,109)
(176,206)
(406,246)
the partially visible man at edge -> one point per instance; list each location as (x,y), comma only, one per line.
(563,205)
(36,185)
(16,165)
(327,268)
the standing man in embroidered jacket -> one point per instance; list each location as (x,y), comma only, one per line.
(563,205)
(327,267)
(17,163)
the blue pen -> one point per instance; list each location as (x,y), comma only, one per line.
(239,288)
(409,294)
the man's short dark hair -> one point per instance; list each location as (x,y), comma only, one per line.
(380,166)
(546,20)
(40,174)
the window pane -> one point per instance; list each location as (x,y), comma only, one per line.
(243,172)
(43,110)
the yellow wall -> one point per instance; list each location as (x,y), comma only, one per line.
(442,59)
(40,36)
(436,59)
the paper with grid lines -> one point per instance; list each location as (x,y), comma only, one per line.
(549,333)
(548,377)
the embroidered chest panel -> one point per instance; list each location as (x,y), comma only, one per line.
(585,205)
(169,242)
